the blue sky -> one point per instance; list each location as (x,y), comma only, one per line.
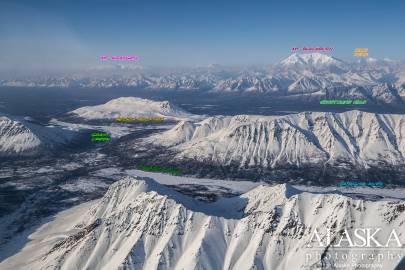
(70,34)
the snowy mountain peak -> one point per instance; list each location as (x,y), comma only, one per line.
(311,60)
(264,197)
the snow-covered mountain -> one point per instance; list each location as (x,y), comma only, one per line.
(306,84)
(140,224)
(132,107)
(19,136)
(313,60)
(348,140)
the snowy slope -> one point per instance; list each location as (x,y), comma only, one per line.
(353,137)
(140,224)
(132,107)
(18,136)
(307,85)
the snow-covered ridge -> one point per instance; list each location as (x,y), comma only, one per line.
(132,107)
(139,224)
(18,136)
(352,137)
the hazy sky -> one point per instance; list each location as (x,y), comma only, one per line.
(67,34)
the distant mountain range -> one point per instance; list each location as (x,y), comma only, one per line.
(315,75)
(320,147)
(140,224)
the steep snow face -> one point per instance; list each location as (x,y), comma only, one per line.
(139,224)
(20,136)
(307,138)
(132,107)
